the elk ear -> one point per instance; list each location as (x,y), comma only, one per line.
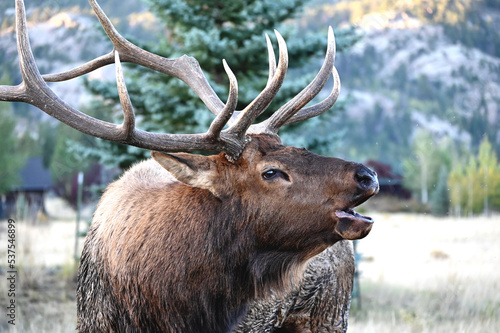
(190,169)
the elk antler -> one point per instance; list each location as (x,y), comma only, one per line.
(232,141)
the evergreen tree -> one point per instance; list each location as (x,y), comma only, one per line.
(11,157)
(211,31)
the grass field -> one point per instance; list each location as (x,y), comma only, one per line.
(418,274)
(426,274)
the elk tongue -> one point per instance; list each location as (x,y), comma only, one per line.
(352,225)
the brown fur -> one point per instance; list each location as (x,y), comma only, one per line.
(186,251)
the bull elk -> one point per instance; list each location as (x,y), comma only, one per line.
(184,242)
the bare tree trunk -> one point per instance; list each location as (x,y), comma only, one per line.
(423,182)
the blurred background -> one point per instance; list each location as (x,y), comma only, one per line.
(419,104)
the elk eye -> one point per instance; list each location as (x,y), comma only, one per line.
(273,173)
(270,174)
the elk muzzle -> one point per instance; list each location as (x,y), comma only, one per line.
(352,225)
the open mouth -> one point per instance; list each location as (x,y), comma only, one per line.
(352,225)
(352,215)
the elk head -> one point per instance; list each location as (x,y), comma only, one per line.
(281,180)
(268,207)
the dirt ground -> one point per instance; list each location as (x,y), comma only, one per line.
(418,274)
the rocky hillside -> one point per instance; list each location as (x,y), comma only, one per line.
(410,71)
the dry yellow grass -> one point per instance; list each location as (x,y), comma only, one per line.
(420,274)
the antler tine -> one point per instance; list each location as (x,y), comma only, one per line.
(86,68)
(223,117)
(262,101)
(26,59)
(321,107)
(272,60)
(128,124)
(272,71)
(283,114)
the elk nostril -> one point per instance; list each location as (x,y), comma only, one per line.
(366,178)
